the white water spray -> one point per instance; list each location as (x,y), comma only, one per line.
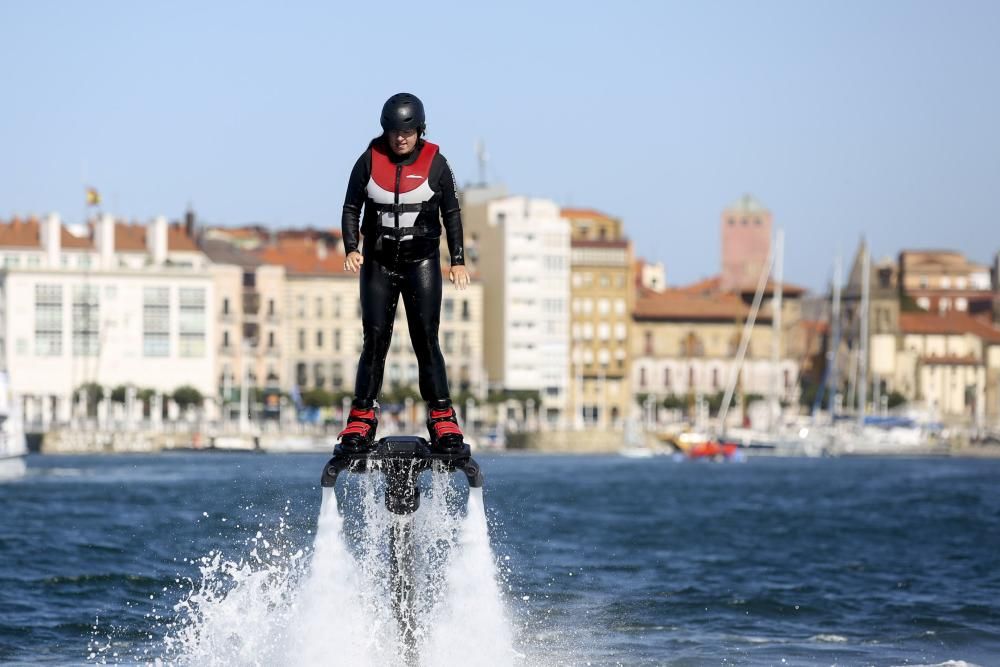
(335,607)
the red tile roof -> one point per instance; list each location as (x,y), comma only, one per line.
(584,213)
(950,323)
(302,256)
(713,284)
(677,304)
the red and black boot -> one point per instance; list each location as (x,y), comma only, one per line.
(359,434)
(443,427)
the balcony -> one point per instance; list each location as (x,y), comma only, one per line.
(251,302)
(272,351)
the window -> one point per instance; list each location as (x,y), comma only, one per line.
(690,377)
(225,339)
(270,307)
(465,310)
(337,375)
(715,378)
(302,339)
(300,305)
(319,306)
(225,306)
(156,321)
(449,342)
(649,343)
(300,374)
(270,339)
(336,340)
(603,331)
(666,379)
(588,306)
(642,378)
(48,320)
(192,322)
(620,330)
(336,306)
(86,320)
(619,306)
(319,375)
(448,310)
(319,339)
(603,306)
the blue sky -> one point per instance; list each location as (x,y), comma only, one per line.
(844,118)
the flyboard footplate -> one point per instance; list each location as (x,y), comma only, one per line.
(401,459)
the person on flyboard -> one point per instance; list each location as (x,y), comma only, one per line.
(406,189)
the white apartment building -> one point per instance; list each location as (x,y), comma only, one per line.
(110,303)
(521,249)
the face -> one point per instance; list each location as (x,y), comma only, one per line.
(402,142)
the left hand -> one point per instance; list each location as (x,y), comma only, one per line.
(459,276)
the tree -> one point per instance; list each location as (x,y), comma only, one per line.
(186,396)
(896,399)
(119,393)
(95,393)
(675,402)
(318,398)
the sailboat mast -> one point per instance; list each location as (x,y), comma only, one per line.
(862,388)
(775,398)
(832,382)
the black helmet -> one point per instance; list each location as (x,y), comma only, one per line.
(403,111)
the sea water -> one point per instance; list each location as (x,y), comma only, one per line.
(333,605)
(598,560)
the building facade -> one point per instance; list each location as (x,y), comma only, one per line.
(943,280)
(323,331)
(107,303)
(685,345)
(522,253)
(249,308)
(601,296)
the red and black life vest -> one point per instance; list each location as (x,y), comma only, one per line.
(399,193)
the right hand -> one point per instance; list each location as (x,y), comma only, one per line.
(353,261)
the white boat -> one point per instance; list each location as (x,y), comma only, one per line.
(13,446)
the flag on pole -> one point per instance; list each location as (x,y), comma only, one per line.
(93,197)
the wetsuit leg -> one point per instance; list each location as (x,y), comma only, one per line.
(421,290)
(379,295)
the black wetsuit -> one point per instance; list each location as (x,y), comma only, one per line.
(409,267)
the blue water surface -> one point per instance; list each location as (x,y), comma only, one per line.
(605,560)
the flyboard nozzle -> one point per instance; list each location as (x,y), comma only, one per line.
(401,469)
(401,459)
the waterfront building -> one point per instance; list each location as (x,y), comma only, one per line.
(521,248)
(746,243)
(107,303)
(601,296)
(949,363)
(942,280)
(249,309)
(685,344)
(323,330)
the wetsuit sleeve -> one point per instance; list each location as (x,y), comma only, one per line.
(353,201)
(451,213)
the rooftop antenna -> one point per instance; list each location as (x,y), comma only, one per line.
(481,158)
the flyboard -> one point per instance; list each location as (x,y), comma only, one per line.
(401,459)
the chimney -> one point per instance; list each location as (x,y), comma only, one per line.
(104,239)
(156,240)
(50,233)
(189,220)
